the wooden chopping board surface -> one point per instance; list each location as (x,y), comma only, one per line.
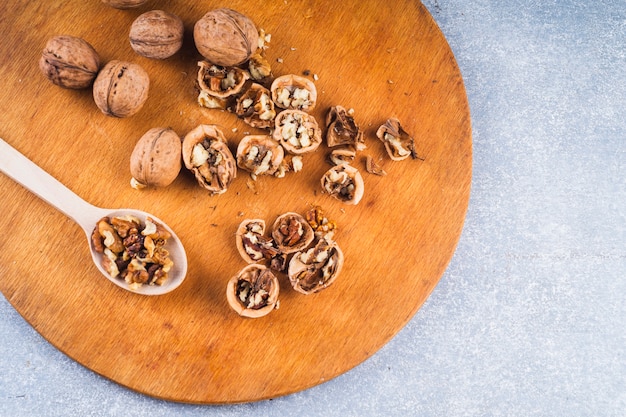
(383,59)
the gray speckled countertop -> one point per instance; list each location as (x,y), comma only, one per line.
(529,319)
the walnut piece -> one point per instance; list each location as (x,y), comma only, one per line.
(344,182)
(133,251)
(252,244)
(320,224)
(398,143)
(259,67)
(292,232)
(253,292)
(293,92)
(156,158)
(69,62)
(297,131)
(342,155)
(218,81)
(226,37)
(259,154)
(206,154)
(342,130)
(121,88)
(315,269)
(255,107)
(156,34)
(373,168)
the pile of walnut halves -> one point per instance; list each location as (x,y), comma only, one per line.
(133,251)
(303,248)
(282,106)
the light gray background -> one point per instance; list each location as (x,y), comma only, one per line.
(529,319)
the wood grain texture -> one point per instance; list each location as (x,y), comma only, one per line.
(382,59)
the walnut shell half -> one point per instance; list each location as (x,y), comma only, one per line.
(156,159)
(226,37)
(398,143)
(69,62)
(121,88)
(342,155)
(253,292)
(255,107)
(344,182)
(292,232)
(293,92)
(206,154)
(218,81)
(297,131)
(313,270)
(342,130)
(251,242)
(259,154)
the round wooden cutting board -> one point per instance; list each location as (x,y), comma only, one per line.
(382,59)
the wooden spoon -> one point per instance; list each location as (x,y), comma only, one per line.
(32,177)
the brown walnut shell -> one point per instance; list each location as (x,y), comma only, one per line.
(297,131)
(342,155)
(121,88)
(293,92)
(342,130)
(344,182)
(226,37)
(69,62)
(256,107)
(398,143)
(259,67)
(259,154)
(218,81)
(206,154)
(253,292)
(124,4)
(156,159)
(291,232)
(313,270)
(156,34)
(252,244)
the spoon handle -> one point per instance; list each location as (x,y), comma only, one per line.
(45,186)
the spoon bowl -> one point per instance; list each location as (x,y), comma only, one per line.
(173,246)
(35,179)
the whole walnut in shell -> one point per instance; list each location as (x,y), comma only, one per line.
(69,62)
(124,4)
(226,37)
(121,88)
(156,159)
(156,34)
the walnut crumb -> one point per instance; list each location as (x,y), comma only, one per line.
(373,168)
